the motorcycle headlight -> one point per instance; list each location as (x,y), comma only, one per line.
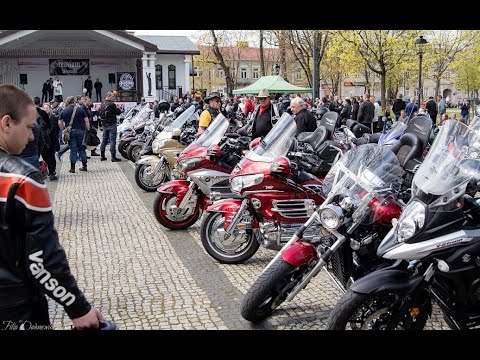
(184,164)
(412,219)
(157,145)
(331,216)
(243,181)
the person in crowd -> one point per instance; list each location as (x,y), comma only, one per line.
(58,88)
(53,136)
(31,153)
(376,116)
(355,107)
(76,116)
(398,106)
(88,84)
(50,89)
(32,261)
(48,152)
(432,109)
(305,119)
(411,108)
(265,115)
(108,115)
(86,104)
(442,105)
(465,110)
(366,111)
(45,89)
(403,116)
(249,105)
(213,109)
(346,110)
(98,89)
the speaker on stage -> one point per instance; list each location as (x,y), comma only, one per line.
(111,78)
(23,79)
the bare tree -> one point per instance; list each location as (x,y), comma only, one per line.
(262,59)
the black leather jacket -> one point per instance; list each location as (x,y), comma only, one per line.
(32,261)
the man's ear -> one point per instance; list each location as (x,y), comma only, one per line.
(5,122)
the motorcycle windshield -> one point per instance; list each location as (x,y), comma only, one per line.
(182,119)
(364,174)
(453,159)
(214,132)
(143,114)
(277,142)
(395,131)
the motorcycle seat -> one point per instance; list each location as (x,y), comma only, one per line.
(304,176)
(315,139)
(408,147)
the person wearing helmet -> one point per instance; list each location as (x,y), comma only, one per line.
(210,113)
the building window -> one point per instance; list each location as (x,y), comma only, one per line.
(158,76)
(407,91)
(172,77)
(199,72)
(298,75)
(220,73)
(256,72)
(243,73)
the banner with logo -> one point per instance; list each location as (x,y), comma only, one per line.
(126,81)
(69,66)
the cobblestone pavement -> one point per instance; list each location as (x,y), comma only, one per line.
(143,276)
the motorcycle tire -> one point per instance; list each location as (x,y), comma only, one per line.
(269,290)
(161,216)
(351,304)
(206,232)
(139,176)
(122,148)
(133,150)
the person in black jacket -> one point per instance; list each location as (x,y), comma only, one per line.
(265,115)
(32,261)
(48,152)
(45,89)
(305,120)
(32,151)
(108,114)
(98,89)
(88,84)
(366,111)
(398,105)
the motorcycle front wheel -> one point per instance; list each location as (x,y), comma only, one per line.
(270,290)
(170,218)
(356,311)
(133,150)
(122,148)
(235,249)
(146,181)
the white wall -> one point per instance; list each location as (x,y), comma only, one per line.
(179,62)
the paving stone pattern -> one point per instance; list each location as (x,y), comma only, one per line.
(143,276)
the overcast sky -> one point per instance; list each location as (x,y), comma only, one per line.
(188,33)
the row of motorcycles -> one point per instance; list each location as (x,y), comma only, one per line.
(391,217)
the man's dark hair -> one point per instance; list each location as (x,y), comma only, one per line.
(36,101)
(14,102)
(430,98)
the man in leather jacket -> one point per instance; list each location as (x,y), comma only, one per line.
(32,261)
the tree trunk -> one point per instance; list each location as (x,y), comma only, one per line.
(383,90)
(262,59)
(283,57)
(225,68)
(367,81)
(437,87)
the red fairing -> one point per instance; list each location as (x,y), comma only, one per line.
(225,205)
(385,213)
(194,151)
(177,187)
(299,253)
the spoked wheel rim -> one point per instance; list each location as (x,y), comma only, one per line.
(234,245)
(135,151)
(151,180)
(170,214)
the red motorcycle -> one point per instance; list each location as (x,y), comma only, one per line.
(277,197)
(207,162)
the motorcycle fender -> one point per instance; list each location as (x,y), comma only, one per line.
(130,138)
(135,142)
(225,206)
(384,280)
(148,160)
(177,187)
(299,253)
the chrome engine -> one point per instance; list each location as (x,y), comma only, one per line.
(274,236)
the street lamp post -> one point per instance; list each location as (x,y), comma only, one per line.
(419,44)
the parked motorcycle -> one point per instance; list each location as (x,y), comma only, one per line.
(362,187)
(153,170)
(208,163)
(435,243)
(276,200)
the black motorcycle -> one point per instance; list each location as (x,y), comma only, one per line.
(436,245)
